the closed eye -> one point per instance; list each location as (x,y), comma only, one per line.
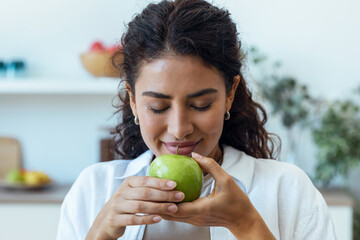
(202,109)
(157,111)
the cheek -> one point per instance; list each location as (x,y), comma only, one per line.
(212,123)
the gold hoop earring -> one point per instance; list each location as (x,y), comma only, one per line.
(227,115)
(136,120)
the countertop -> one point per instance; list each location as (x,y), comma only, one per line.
(53,195)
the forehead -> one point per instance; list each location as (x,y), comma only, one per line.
(173,74)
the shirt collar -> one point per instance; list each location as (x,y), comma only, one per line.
(137,165)
(239,165)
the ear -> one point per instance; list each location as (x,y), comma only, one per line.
(132,99)
(231,95)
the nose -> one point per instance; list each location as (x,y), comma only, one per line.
(180,123)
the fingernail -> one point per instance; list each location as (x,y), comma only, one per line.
(179,195)
(195,155)
(172,208)
(171,184)
(156,219)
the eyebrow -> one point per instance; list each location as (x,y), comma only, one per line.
(192,95)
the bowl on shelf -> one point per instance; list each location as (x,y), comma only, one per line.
(98,63)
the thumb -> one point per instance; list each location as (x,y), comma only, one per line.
(210,166)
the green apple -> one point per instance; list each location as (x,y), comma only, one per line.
(14,176)
(184,170)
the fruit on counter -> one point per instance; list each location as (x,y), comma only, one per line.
(30,178)
(184,170)
(15,176)
(33,178)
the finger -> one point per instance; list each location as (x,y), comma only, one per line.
(210,166)
(147,181)
(189,209)
(151,194)
(132,219)
(133,207)
(196,221)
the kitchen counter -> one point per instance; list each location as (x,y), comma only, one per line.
(52,195)
(34,209)
(338,197)
(55,194)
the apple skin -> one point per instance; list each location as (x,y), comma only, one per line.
(15,176)
(97,47)
(184,170)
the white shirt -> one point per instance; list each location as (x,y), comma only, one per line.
(282,193)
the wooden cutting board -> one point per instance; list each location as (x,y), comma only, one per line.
(10,155)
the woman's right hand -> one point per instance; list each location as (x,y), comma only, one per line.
(138,194)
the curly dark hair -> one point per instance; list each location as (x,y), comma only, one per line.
(190,28)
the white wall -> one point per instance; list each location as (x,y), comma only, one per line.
(59,134)
(50,35)
(317,41)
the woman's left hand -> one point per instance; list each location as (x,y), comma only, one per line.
(227,205)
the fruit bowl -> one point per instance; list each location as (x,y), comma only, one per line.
(97,60)
(22,179)
(99,64)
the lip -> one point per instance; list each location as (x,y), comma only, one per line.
(185,148)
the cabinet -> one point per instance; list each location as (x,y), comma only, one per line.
(31,215)
(29,221)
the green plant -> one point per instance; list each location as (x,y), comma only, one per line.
(287,97)
(337,134)
(338,141)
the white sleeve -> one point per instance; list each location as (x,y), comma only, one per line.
(74,214)
(319,224)
(304,208)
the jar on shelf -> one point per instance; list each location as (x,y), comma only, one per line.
(15,69)
(2,69)
(107,152)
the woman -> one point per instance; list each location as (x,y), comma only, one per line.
(184,88)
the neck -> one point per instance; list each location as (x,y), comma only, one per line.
(219,156)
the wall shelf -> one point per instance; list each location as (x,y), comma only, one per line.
(36,86)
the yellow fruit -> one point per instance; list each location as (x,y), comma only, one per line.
(33,178)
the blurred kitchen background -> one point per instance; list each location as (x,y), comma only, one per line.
(59,113)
